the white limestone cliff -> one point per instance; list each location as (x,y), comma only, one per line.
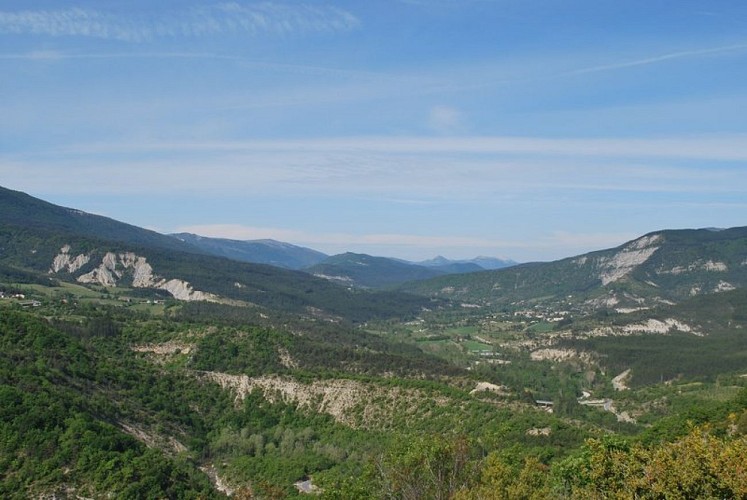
(626,260)
(63,261)
(113,268)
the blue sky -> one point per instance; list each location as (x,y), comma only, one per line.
(528,129)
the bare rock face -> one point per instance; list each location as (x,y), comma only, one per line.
(181,290)
(142,276)
(106,274)
(698,265)
(349,402)
(623,262)
(100,275)
(63,261)
(114,267)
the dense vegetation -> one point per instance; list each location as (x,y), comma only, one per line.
(115,392)
(659,358)
(59,416)
(81,411)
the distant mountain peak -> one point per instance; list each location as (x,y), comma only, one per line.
(438,260)
(486,263)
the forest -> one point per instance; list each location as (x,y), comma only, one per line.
(91,406)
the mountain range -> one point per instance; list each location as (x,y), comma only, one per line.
(661,267)
(350,269)
(52,242)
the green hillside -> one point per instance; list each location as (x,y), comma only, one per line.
(717,346)
(661,266)
(102,401)
(362,270)
(23,211)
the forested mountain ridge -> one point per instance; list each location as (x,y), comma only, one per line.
(24,211)
(486,263)
(367,271)
(660,267)
(48,241)
(274,253)
(343,268)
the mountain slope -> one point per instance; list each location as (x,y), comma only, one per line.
(274,253)
(700,337)
(50,241)
(20,209)
(366,271)
(660,267)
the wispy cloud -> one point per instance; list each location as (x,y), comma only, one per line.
(418,175)
(684,54)
(217,19)
(538,70)
(722,147)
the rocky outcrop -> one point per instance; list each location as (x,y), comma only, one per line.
(620,383)
(626,260)
(557,355)
(63,261)
(182,290)
(106,274)
(152,439)
(650,326)
(709,265)
(165,349)
(488,387)
(115,266)
(349,402)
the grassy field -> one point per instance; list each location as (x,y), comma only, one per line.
(115,296)
(541,327)
(462,330)
(473,345)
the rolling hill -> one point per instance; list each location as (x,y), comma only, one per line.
(361,270)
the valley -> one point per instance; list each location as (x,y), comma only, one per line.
(133,369)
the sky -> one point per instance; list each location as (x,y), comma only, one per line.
(522,129)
